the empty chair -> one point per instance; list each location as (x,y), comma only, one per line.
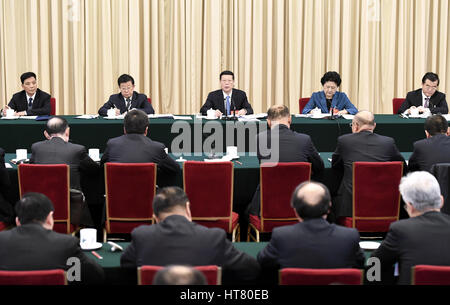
(54,182)
(376,197)
(396,103)
(130,188)
(36,277)
(209,187)
(52,106)
(430,275)
(304,276)
(302,103)
(212,273)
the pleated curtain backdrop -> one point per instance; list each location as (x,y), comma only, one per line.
(175,49)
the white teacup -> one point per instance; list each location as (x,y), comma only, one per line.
(88,238)
(211,114)
(9,112)
(21,154)
(94,153)
(111,112)
(414,112)
(232,151)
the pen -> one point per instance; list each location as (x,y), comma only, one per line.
(238,162)
(96,255)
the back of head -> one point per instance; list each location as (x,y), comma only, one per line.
(278,112)
(26,76)
(125,78)
(331,76)
(136,121)
(436,124)
(169,198)
(421,190)
(311,200)
(226,72)
(179,275)
(432,77)
(365,118)
(33,208)
(56,126)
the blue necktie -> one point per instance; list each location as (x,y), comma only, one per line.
(30,103)
(228,105)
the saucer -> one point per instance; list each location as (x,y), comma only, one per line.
(94,246)
(369,245)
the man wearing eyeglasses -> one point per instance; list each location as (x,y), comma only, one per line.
(127,99)
(425,100)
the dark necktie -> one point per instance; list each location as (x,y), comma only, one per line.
(30,103)
(427,102)
(128,104)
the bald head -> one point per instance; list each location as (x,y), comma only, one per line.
(57,127)
(311,200)
(179,275)
(363,120)
(278,114)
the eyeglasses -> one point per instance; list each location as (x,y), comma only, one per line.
(126,88)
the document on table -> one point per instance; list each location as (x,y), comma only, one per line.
(161,116)
(87,116)
(179,117)
(7,165)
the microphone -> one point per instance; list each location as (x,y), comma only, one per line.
(234,110)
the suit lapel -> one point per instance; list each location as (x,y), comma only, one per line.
(220,102)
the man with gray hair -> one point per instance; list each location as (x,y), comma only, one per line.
(423,238)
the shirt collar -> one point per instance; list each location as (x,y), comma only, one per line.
(225,95)
(33,97)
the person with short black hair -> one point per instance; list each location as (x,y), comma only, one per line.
(175,239)
(227,100)
(179,275)
(135,147)
(32,245)
(427,99)
(127,99)
(435,148)
(313,242)
(31,100)
(329,99)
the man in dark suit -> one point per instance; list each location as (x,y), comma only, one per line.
(313,242)
(32,245)
(435,148)
(175,239)
(280,144)
(127,99)
(421,239)
(135,147)
(361,145)
(31,100)
(427,99)
(6,208)
(227,100)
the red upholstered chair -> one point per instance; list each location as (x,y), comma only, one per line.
(396,103)
(303,276)
(209,187)
(149,100)
(376,197)
(36,277)
(430,275)
(130,188)
(54,182)
(3,226)
(277,182)
(302,103)
(212,273)
(52,106)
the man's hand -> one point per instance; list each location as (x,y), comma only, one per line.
(242,112)
(22,113)
(117,111)
(410,108)
(218,113)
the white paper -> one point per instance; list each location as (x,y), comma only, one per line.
(28,117)
(446,116)
(157,116)
(302,115)
(10,118)
(7,165)
(179,117)
(348,116)
(87,116)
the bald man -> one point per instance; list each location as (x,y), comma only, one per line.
(361,145)
(313,242)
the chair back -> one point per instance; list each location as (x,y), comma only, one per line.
(35,277)
(303,276)
(149,100)
(52,180)
(277,182)
(130,188)
(396,103)
(376,197)
(442,173)
(209,186)
(302,103)
(212,273)
(430,275)
(52,106)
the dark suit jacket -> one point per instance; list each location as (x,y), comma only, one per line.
(414,241)
(293,147)
(57,151)
(428,152)
(137,148)
(176,240)
(138,101)
(215,101)
(41,103)
(32,247)
(313,243)
(438,104)
(362,146)
(6,209)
